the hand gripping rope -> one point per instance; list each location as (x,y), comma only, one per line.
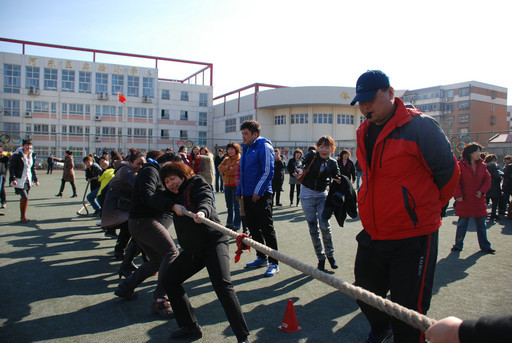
(404,314)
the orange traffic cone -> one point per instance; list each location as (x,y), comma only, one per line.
(290,320)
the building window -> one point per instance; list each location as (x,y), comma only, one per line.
(464,105)
(203,100)
(345,119)
(139,112)
(41,107)
(32,77)
(53,107)
(361,119)
(75,130)
(87,110)
(137,132)
(12,128)
(109,111)
(50,79)
(464,92)
(129,131)
(101,83)
(493,94)
(492,108)
(108,131)
(117,84)
(164,134)
(183,115)
(449,108)
(463,130)
(40,128)
(68,80)
(148,88)
(63,129)
(322,118)
(64,108)
(76,109)
(119,111)
(84,82)
(493,120)
(133,86)
(203,119)
(53,128)
(449,94)
(12,78)
(299,118)
(184,96)
(11,108)
(165,114)
(463,118)
(166,94)
(245,118)
(230,125)
(202,138)
(280,119)
(183,134)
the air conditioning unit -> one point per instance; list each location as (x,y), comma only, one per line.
(146,99)
(28,114)
(33,91)
(97,139)
(28,136)
(103,96)
(97,117)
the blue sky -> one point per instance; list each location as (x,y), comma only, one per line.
(292,43)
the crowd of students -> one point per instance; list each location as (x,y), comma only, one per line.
(138,197)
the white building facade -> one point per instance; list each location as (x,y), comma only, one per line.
(70,104)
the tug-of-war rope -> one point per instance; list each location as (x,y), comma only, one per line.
(404,314)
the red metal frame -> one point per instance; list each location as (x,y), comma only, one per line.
(208,66)
(256,87)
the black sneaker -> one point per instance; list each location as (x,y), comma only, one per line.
(111,233)
(488,251)
(454,248)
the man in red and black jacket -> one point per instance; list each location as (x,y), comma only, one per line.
(410,173)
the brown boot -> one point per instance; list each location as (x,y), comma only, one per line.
(23,210)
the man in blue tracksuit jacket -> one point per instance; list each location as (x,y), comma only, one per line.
(255,187)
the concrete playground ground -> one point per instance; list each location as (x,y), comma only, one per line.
(58,275)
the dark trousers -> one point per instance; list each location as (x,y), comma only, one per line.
(405,268)
(2,189)
(63,185)
(218,181)
(292,188)
(156,242)
(216,260)
(258,216)
(49,170)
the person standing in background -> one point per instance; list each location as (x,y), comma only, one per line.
(255,188)
(228,168)
(219,182)
(68,173)
(4,160)
(278,179)
(22,174)
(292,163)
(49,161)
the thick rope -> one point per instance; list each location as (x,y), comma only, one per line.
(400,312)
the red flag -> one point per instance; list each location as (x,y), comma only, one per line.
(122,98)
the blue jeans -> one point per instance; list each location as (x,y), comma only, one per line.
(481,232)
(233,207)
(313,208)
(91,197)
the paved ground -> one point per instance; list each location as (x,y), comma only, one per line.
(59,274)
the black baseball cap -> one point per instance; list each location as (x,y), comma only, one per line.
(368,84)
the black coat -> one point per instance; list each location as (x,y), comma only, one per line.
(278,179)
(341,200)
(196,195)
(148,200)
(349,170)
(495,190)
(321,172)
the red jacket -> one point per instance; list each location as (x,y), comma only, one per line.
(412,176)
(470,182)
